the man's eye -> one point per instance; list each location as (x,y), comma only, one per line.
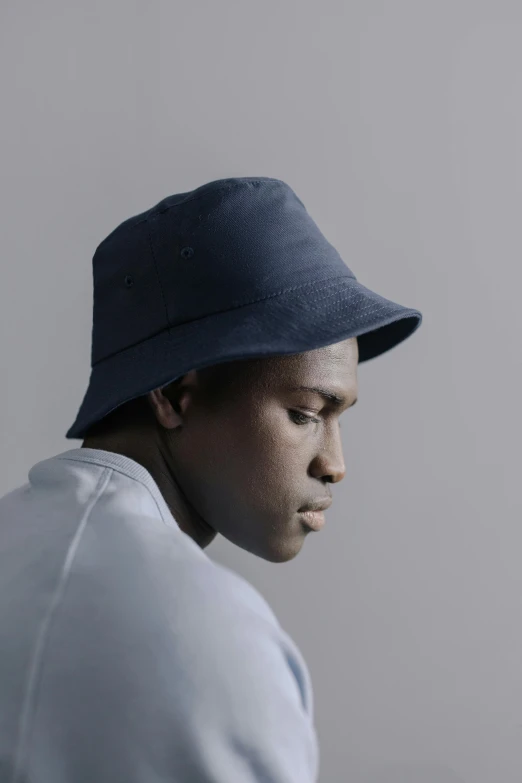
(298,417)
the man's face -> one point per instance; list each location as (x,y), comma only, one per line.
(254,449)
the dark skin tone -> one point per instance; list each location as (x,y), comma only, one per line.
(235,450)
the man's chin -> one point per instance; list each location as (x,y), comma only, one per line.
(277,550)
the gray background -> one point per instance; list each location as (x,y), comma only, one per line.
(399,124)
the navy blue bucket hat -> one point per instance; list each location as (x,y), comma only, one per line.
(234,269)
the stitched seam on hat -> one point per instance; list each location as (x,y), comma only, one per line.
(371,310)
(329,283)
(369,307)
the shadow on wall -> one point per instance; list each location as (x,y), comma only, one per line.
(403,772)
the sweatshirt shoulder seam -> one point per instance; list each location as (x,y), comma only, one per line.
(38,655)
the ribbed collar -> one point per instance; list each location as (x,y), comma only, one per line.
(125,465)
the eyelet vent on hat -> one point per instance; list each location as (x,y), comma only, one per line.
(129,281)
(186,252)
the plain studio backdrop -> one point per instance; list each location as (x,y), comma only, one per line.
(399,124)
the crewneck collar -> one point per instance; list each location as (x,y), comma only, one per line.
(125,465)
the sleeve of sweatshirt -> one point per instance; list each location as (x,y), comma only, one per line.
(203,686)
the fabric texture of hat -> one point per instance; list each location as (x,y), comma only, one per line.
(234,269)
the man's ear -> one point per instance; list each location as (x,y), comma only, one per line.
(170,402)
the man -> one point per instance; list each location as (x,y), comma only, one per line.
(226,337)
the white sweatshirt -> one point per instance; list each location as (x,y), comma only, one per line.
(127,655)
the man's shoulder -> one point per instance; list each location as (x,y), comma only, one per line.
(161,564)
(220,586)
(175,663)
(145,627)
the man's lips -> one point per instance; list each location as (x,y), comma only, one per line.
(313,519)
(312,514)
(317,505)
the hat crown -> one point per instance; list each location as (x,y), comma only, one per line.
(223,245)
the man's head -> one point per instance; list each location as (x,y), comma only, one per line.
(239,448)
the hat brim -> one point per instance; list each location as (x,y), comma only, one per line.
(308,317)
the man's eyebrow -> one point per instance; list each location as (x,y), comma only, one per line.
(328,395)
